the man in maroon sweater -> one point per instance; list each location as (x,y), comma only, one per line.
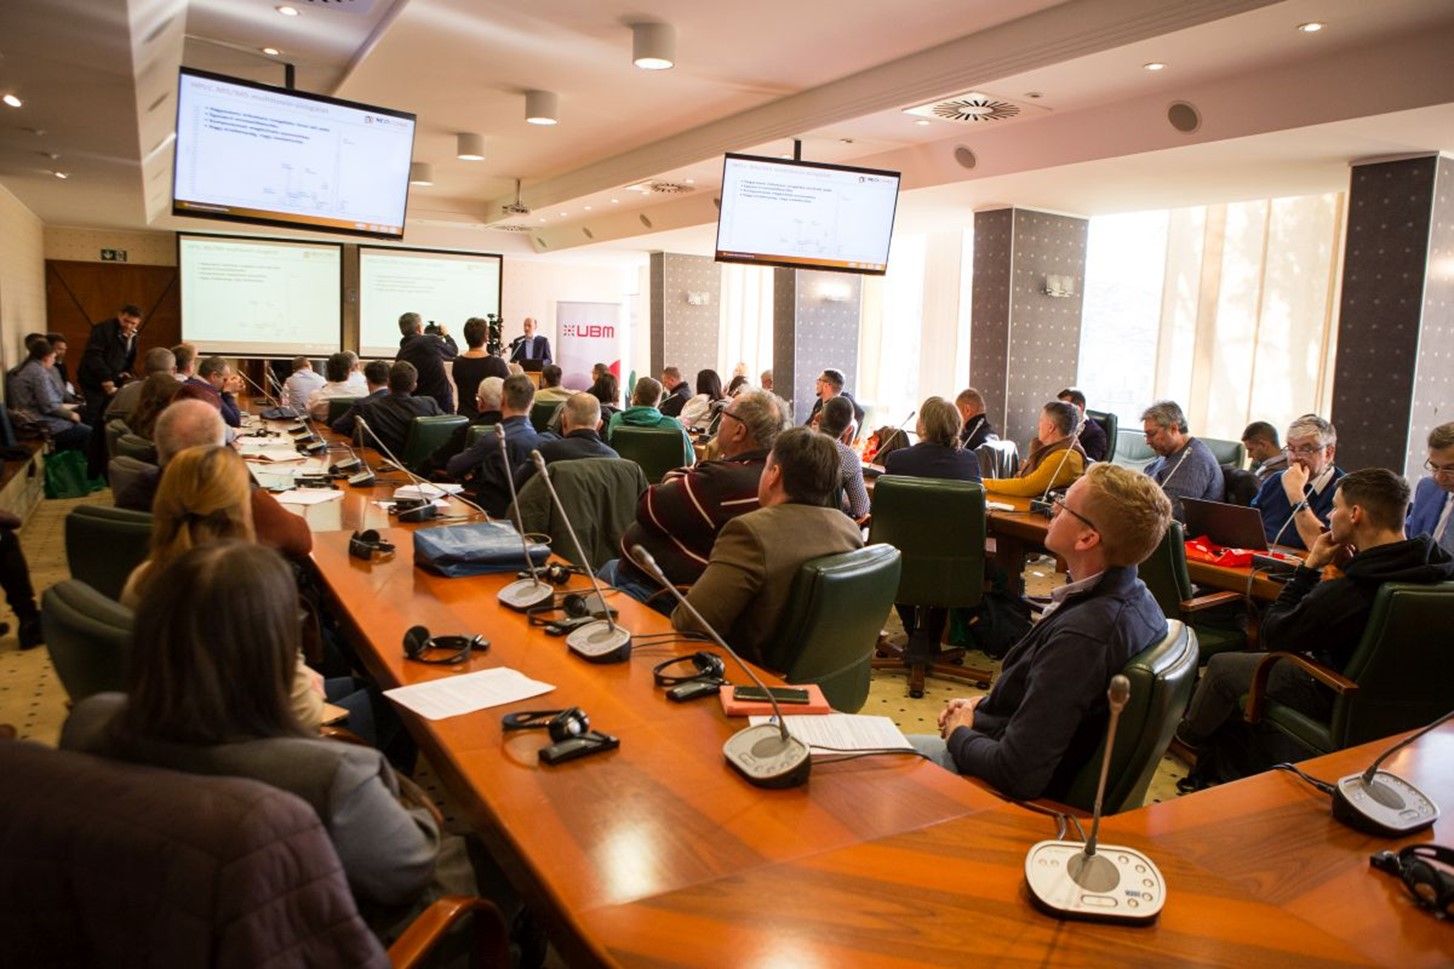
(677,521)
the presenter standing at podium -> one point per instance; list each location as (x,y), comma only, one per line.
(530,346)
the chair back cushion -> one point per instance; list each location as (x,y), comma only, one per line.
(174,870)
(998,459)
(1227,452)
(1111,424)
(657,449)
(427,435)
(121,471)
(832,621)
(88,637)
(104,544)
(1132,451)
(133,446)
(1165,573)
(540,414)
(338,406)
(599,494)
(939,526)
(473,435)
(114,429)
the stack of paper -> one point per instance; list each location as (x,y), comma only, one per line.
(308,496)
(427,490)
(452,696)
(843,731)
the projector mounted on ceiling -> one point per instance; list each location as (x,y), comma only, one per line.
(515,207)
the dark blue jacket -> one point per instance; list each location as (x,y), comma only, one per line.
(1275,510)
(1428,505)
(928,460)
(481,464)
(1047,711)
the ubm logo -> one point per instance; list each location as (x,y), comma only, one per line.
(588,330)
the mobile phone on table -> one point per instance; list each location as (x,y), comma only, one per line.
(782,694)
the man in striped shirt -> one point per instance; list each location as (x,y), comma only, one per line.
(677,521)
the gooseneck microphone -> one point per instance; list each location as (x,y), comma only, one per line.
(1382,803)
(522,593)
(1043,505)
(1068,879)
(765,755)
(428,510)
(601,641)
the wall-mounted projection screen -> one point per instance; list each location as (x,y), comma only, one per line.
(260,296)
(442,287)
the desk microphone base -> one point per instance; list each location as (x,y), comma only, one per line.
(1388,806)
(761,755)
(600,642)
(524,593)
(1115,884)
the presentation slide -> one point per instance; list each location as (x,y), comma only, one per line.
(442,287)
(806,215)
(257,296)
(252,153)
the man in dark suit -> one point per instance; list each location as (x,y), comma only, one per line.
(580,428)
(530,346)
(1092,436)
(678,392)
(482,466)
(1433,510)
(975,426)
(105,365)
(376,375)
(426,353)
(389,416)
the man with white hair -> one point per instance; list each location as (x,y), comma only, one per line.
(1295,504)
(580,428)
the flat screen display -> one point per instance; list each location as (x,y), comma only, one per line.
(247,152)
(442,287)
(261,296)
(806,215)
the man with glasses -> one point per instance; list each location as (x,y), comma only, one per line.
(1433,510)
(1046,713)
(1295,504)
(1185,467)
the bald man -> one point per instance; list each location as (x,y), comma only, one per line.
(530,346)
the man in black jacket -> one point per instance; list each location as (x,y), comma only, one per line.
(390,416)
(1092,435)
(829,385)
(976,428)
(481,466)
(678,392)
(1323,620)
(105,365)
(1047,712)
(426,352)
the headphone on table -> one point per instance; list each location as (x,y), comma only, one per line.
(555,573)
(418,643)
(576,605)
(1432,887)
(562,724)
(705,666)
(367,545)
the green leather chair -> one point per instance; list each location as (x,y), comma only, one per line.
(1131,449)
(832,620)
(114,429)
(132,446)
(1111,425)
(104,544)
(1162,677)
(427,435)
(338,406)
(600,495)
(541,413)
(1400,676)
(939,526)
(657,449)
(1227,452)
(473,435)
(88,637)
(1213,616)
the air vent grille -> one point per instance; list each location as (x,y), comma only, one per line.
(975,110)
(668,188)
(512,228)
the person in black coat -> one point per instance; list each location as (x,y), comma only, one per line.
(580,425)
(105,365)
(389,417)
(426,352)
(1093,439)
(829,385)
(678,392)
(977,428)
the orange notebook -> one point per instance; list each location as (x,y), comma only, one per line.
(817,703)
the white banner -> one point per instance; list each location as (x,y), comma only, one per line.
(587,334)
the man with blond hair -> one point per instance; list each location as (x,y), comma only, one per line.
(1047,712)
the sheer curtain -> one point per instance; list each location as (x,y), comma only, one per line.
(891,329)
(745,330)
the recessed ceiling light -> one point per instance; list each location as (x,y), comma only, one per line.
(12,100)
(1311,27)
(1154,66)
(287,11)
(653,46)
(1034,95)
(271,51)
(588,208)
(691,181)
(785,156)
(61,175)
(615,201)
(922,122)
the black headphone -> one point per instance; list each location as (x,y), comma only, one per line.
(1431,887)
(367,545)
(576,605)
(706,666)
(418,642)
(562,724)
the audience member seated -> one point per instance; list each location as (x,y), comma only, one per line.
(356,379)
(481,466)
(157,360)
(678,520)
(389,417)
(1295,503)
(698,411)
(1055,459)
(474,365)
(581,438)
(976,428)
(194,424)
(59,344)
(551,392)
(938,453)
(185,354)
(1186,468)
(1434,499)
(301,384)
(749,576)
(643,412)
(1322,619)
(376,380)
(216,384)
(607,389)
(676,392)
(38,396)
(738,384)
(15,580)
(157,393)
(883,442)
(1092,436)
(764,379)
(836,421)
(487,413)
(426,353)
(1046,713)
(829,385)
(1268,458)
(338,369)
(215,650)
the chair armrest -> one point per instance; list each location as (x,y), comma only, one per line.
(1049,805)
(1257,694)
(1210,601)
(331,732)
(412,947)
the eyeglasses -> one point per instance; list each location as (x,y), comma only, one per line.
(1432,468)
(1305,450)
(1058,505)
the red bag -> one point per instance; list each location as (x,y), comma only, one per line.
(1203,549)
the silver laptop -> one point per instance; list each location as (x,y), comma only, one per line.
(1231,526)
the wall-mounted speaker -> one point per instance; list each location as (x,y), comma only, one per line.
(1184,117)
(965,157)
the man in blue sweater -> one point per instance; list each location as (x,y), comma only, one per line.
(1295,504)
(1047,712)
(1186,467)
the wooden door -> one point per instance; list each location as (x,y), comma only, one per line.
(80,294)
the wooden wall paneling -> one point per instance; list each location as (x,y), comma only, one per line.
(81,294)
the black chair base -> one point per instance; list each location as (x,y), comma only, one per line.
(944,663)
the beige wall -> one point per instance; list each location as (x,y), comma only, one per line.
(532,287)
(85,245)
(22,276)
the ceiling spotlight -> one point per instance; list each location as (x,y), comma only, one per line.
(421,173)
(653,46)
(691,181)
(1154,66)
(1311,27)
(588,208)
(271,51)
(785,156)
(61,175)
(615,201)
(12,100)
(287,11)
(541,107)
(469,146)
(922,122)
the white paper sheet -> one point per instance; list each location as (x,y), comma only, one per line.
(428,490)
(274,455)
(451,696)
(308,496)
(999,506)
(843,731)
(388,503)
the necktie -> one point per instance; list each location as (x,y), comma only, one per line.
(1443,529)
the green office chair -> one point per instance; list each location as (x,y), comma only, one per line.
(338,406)
(1111,425)
(939,526)
(832,620)
(121,471)
(657,449)
(1162,677)
(473,435)
(114,429)
(1227,452)
(104,544)
(1131,449)
(600,494)
(427,435)
(1214,616)
(88,637)
(1400,676)
(132,446)
(541,413)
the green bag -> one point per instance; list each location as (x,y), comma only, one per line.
(66,477)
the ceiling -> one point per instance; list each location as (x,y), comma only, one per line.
(1283,111)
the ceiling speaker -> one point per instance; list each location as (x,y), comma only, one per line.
(645,221)
(965,157)
(1184,117)
(588,232)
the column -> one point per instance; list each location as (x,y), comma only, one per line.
(814,327)
(686,306)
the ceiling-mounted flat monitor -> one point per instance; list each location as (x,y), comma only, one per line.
(248,152)
(806,215)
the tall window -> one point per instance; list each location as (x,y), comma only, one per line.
(890,330)
(745,330)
